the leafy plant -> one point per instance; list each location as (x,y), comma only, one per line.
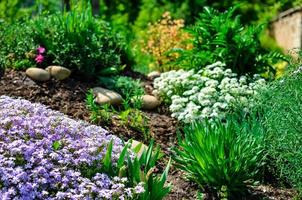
(79,41)
(139,169)
(221,155)
(135,119)
(97,113)
(16,46)
(130,89)
(221,37)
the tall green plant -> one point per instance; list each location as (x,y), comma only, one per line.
(221,155)
(222,37)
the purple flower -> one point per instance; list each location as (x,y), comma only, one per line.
(41,50)
(31,167)
(39,59)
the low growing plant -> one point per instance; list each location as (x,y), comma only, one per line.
(209,93)
(97,113)
(221,155)
(46,155)
(136,120)
(130,89)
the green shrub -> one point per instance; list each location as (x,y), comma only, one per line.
(281,107)
(222,37)
(221,155)
(75,39)
(78,41)
(16,46)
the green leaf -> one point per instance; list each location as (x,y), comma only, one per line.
(56,145)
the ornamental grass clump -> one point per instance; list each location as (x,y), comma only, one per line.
(223,156)
(209,93)
(46,155)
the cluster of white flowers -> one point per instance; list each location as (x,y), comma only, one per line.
(209,93)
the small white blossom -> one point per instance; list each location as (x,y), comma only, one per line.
(209,93)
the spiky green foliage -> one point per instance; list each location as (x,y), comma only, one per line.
(139,169)
(221,155)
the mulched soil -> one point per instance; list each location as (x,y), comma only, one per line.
(68,96)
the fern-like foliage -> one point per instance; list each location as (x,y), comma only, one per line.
(222,37)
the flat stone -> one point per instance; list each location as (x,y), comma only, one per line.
(58,72)
(149,102)
(153,75)
(104,96)
(37,74)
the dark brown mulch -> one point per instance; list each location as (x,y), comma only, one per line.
(69,97)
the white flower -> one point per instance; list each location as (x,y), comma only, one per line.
(206,94)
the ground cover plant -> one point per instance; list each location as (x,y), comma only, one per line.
(44,154)
(209,93)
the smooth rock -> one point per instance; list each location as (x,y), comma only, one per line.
(104,96)
(153,75)
(143,147)
(149,102)
(37,74)
(58,72)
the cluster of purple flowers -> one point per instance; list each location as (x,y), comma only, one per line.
(42,153)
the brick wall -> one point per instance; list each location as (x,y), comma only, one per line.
(287,29)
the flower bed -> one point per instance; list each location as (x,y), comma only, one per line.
(209,93)
(46,155)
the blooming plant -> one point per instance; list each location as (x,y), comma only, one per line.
(40,55)
(45,155)
(164,36)
(209,93)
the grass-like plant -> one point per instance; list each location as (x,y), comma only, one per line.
(222,156)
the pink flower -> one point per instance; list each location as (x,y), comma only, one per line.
(39,58)
(41,50)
